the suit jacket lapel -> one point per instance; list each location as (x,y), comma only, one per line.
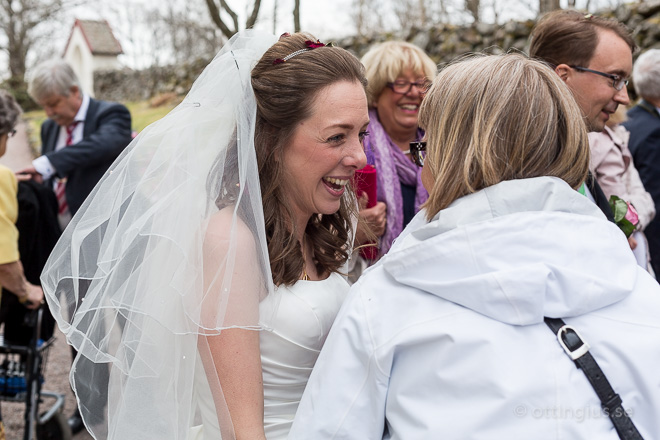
(90,118)
(52,133)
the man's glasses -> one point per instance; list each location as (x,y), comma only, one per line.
(403,87)
(418,152)
(617,82)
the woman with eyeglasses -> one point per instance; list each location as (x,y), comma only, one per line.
(11,270)
(399,74)
(12,277)
(469,327)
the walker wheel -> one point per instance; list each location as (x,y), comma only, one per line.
(56,428)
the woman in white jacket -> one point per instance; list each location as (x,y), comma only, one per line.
(445,337)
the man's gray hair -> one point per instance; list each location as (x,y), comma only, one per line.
(52,77)
(646,74)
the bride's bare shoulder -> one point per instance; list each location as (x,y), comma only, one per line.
(224,223)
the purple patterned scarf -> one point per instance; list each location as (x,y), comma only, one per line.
(393,168)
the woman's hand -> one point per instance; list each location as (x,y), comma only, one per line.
(374,218)
(34,297)
(29,173)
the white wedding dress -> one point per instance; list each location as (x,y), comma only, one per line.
(288,353)
(137,287)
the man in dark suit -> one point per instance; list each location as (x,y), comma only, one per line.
(80,139)
(593,56)
(79,142)
(644,144)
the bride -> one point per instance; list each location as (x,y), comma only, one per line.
(205,269)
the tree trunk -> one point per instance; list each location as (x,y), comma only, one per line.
(547,6)
(473,7)
(275,16)
(296,16)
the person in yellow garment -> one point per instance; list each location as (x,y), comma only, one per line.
(11,270)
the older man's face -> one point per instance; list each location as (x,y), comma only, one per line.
(62,109)
(594,93)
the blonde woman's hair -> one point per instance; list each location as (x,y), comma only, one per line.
(494,118)
(384,63)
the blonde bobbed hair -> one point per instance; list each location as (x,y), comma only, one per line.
(385,62)
(501,117)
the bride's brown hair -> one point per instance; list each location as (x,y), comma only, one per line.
(285,92)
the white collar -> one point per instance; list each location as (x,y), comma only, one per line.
(82,111)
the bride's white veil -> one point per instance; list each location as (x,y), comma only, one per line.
(137,277)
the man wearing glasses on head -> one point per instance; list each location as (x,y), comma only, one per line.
(593,56)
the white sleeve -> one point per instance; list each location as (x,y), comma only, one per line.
(345,396)
(43,167)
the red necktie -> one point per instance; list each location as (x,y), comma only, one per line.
(60,187)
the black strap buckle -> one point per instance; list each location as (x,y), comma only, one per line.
(612,404)
(571,341)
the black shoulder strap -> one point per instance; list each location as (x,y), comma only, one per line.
(578,350)
(599,196)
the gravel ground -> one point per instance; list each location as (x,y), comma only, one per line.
(19,156)
(57,380)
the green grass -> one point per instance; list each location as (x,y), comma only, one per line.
(142,114)
(34,120)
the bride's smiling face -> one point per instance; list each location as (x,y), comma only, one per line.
(325,150)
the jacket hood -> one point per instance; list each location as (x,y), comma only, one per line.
(516,252)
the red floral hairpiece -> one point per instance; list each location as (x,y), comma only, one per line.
(313,45)
(310,46)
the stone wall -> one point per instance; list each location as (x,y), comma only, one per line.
(137,85)
(443,43)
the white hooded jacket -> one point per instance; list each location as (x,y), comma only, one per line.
(444,338)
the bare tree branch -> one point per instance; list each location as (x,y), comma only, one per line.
(232,14)
(20,22)
(215,16)
(253,17)
(214,12)
(367,17)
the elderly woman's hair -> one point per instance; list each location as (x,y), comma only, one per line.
(385,62)
(646,74)
(285,94)
(52,77)
(494,118)
(9,112)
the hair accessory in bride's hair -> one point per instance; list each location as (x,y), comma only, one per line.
(310,45)
(313,45)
